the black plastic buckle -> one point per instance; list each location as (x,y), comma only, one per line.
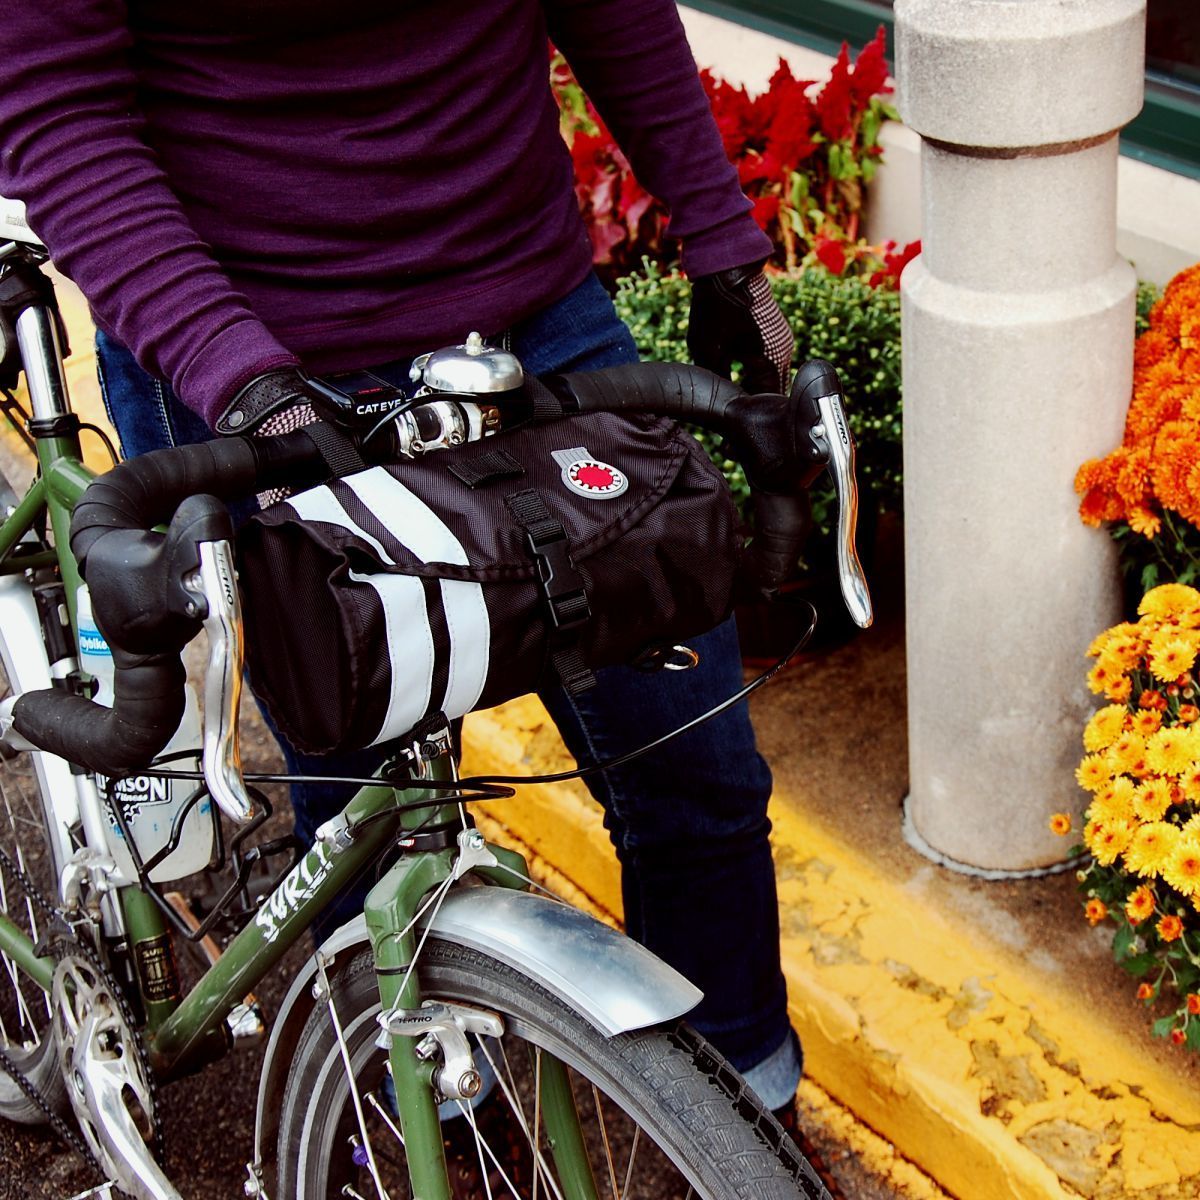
(562,584)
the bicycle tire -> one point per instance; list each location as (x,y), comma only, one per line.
(26,1031)
(709,1132)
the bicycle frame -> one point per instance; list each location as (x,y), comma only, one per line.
(182,1033)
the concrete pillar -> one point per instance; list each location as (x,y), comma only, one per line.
(1018,339)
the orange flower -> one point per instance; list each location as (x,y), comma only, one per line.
(1060,823)
(1095,911)
(1140,905)
(1145,992)
(1170,929)
(1151,699)
(1147,721)
(1193,1004)
(1178,1036)
(1188,713)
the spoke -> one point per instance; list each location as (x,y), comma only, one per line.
(480,1146)
(373,1101)
(23,1014)
(541,1170)
(608,1158)
(345,1053)
(633,1149)
(436,900)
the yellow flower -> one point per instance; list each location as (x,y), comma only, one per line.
(1171,656)
(1105,727)
(1123,652)
(1182,868)
(1093,772)
(1102,676)
(1127,753)
(1119,690)
(1190,782)
(1150,847)
(1108,842)
(1140,905)
(1152,799)
(1060,823)
(1114,802)
(1169,600)
(1170,751)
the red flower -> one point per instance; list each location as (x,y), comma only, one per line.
(1145,992)
(1178,1036)
(894,264)
(790,137)
(830,253)
(870,70)
(834,101)
(1152,699)
(766,209)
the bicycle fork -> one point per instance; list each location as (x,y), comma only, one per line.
(428,1051)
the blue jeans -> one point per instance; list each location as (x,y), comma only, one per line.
(689,822)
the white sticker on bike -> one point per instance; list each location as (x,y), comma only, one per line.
(299,885)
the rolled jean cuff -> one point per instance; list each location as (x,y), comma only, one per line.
(775,1079)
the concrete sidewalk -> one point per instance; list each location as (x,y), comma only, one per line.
(980,1028)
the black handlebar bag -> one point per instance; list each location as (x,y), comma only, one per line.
(482,573)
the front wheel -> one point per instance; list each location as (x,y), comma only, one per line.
(661,1113)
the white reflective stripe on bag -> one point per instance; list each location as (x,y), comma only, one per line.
(409,632)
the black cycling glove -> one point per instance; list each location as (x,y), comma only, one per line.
(734,316)
(281,401)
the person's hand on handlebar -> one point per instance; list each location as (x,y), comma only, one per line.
(734,316)
(281,401)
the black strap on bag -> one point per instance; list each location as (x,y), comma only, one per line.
(563,587)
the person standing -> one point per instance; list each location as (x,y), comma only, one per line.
(249,193)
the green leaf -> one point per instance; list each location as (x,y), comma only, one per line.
(1193,1034)
(1139,964)
(1122,945)
(1163,1026)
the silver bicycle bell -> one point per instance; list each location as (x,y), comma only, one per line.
(455,383)
(472,369)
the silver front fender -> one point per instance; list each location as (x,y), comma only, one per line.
(610,980)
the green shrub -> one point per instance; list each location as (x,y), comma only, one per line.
(1148,295)
(845,320)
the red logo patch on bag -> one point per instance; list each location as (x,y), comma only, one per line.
(589,476)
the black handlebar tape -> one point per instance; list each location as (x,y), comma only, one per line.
(145,491)
(149,699)
(665,389)
(136,577)
(781,525)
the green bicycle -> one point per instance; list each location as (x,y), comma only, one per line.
(458,982)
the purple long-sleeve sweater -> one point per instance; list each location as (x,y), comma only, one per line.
(242,184)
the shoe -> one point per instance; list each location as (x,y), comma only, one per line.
(789,1117)
(499,1129)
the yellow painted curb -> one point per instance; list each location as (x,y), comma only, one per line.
(971,1062)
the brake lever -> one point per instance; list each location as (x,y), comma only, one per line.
(817,395)
(216,587)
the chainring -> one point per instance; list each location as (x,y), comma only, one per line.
(88,1003)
